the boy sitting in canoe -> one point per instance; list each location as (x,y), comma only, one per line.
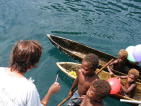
(96,93)
(85,76)
(119,63)
(129,88)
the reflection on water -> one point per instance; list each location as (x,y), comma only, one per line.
(107,25)
(115,20)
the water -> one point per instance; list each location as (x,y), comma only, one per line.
(107,25)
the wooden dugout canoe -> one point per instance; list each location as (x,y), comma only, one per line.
(69,68)
(78,51)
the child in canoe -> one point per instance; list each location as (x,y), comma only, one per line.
(129,88)
(85,76)
(96,93)
(119,63)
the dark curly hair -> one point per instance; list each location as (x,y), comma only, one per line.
(92,59)
(102,88)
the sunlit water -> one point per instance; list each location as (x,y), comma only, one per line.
(107,25)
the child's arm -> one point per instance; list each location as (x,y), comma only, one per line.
(122,77)
(110,68)
(114,62)
(55,87)
(132,87)
(74,85)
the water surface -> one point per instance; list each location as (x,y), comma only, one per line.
(108,25)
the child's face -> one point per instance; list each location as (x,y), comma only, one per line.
(85,67)
(91,93)
(131,78)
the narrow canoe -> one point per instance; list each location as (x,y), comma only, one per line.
(69,68)
(78,51)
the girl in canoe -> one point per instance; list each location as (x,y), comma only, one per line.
(85,76)
(119,63)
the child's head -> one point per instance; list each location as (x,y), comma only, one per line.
(89,63)
(122,54)
(99,89)
(133,75)
(25,55)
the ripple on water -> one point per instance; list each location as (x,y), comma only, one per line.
(108,25)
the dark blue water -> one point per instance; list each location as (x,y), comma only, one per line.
(107,25)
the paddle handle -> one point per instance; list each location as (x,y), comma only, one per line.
(130,101)
(104,66)
(64,100)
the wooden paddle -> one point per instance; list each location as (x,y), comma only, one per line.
(67,98)
(104,66)
(64,100)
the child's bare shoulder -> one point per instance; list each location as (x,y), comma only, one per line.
(78,72)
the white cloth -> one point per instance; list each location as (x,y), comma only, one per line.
(17,91)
